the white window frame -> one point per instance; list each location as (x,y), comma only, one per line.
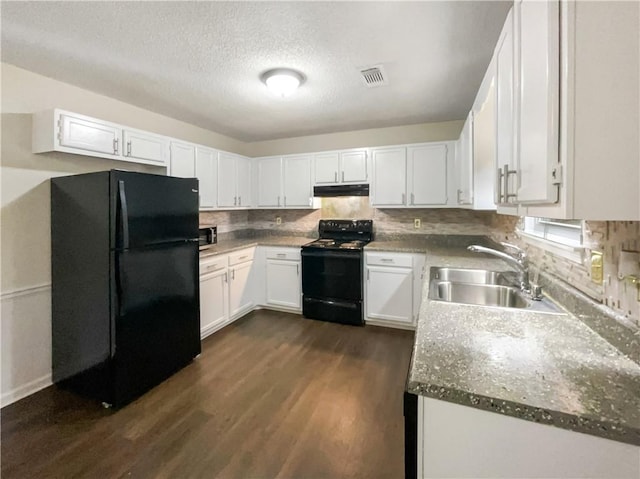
(559,237)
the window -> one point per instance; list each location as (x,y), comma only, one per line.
(559,237)
(567,232)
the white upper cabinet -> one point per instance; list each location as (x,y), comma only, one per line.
(269,182)
(60,130)
(95,136)
(389,177)
(326,168)
(140,145)
(206,171)
(464,163)
(505,187)
(427,174)
(234,181)
(182,160)
(412,176)
(297,181)
(538,99)
(353,165)
(349,166)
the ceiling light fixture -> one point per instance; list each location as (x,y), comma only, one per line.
(282,81)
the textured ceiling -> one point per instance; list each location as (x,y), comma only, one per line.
(200,62)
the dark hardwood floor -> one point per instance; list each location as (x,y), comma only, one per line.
(273,395)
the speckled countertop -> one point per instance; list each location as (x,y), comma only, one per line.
(547,368)
(230,245)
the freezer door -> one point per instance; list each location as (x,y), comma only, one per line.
(157,322)
(152,209)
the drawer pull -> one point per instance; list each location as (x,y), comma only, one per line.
(281,255)
(243,257)
(386,260)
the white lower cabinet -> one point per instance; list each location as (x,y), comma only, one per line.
(241,282)
(214,301)
(393,283)
(461,441)
(283,278)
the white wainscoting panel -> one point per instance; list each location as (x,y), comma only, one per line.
(25,338)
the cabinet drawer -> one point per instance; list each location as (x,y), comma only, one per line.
(210,265)
(290,254)
(390,259)
(241,256)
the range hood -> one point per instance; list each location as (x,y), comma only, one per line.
(341,190)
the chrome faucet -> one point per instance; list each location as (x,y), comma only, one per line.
(520,262)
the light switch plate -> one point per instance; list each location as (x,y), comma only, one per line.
(417,223)
(278,220)
(597,267)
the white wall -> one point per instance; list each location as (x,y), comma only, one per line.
(443,131)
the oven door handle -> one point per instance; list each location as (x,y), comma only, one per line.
(332,254)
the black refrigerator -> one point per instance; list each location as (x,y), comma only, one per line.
(125,290)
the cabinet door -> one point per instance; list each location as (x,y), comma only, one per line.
(227,180)
(244,181)
(297,182)
(505,130)
(427,178)
(146,147)
(390,294)
(206,171)
(326,168)
(269,182)
(240,297)
(89,135)
(214,306)
(538,28)
(464,163)
(353,166)
(283,283)
(183,160)
(389,177)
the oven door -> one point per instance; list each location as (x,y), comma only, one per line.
(332,274)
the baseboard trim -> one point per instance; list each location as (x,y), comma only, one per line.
(25,390)
(389,324)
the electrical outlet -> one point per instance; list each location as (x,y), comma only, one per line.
(597,267)
(417,223)
(278,220)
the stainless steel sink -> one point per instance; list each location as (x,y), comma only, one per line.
(481,294)
(476,276)
(484,288)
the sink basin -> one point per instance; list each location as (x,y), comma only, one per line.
(476,276)
(480,294)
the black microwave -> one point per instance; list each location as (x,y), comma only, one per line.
(208,235)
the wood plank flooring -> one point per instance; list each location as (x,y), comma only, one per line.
(273,395)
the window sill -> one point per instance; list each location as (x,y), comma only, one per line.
(572,253)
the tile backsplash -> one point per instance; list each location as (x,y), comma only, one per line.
(607,237)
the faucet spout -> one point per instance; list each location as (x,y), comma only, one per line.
(520,263)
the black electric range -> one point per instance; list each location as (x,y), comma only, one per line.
(332,283)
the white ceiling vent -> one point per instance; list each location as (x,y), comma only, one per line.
(373,76)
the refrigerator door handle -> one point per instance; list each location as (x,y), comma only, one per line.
(124,216)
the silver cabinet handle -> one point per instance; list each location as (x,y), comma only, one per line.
(235,201)
(403,198)
(498,187)
(278,201)
(506,172)
(239,200)
(297,269)
(128,148)
(285,201)
(243,257)
(115,146)
(226,278)
(459,193)
(335,176)
(281,255)
(386,260)
(233,274)
(343,176)
(412,198)
(368,274)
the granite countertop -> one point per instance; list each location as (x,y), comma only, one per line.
(547,368)
(405,245)
(230,245)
